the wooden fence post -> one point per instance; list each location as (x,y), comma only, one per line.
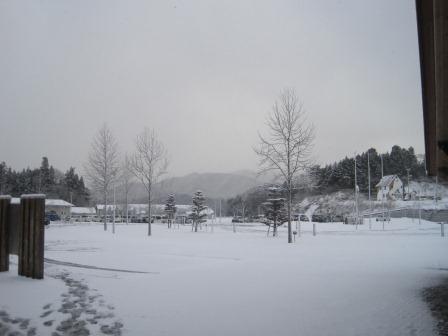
(5,202)
(31,236)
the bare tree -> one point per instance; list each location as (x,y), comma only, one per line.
(103,164)
(287,148)
(126,179)
(149,163)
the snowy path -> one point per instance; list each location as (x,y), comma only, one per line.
(341,282)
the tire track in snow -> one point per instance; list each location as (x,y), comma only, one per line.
(70,264)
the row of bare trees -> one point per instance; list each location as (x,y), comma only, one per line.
(286,150)
(105,168)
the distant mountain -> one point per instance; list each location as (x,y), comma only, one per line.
(213,185)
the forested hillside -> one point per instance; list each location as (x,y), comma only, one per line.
(338,176)
(47,180)
(341,175)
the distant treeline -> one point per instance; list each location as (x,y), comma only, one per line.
(46,180)
(341,175)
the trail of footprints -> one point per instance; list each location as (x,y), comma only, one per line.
(79,307)
(15,326)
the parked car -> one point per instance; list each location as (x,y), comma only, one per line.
(337,218)
(51,217)
(318,218)
(304,218)
(237,219)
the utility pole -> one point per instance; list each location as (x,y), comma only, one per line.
(409,188)
(419,207)
(356,197)
(437,187)
(71,202)
(409,194)
(382,169)
(370,200)
(382,190)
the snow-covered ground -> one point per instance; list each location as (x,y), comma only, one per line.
(344,281)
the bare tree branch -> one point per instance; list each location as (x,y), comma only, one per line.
(287,148)
(102,165)
(149,163)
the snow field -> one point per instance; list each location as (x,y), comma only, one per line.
(342,282)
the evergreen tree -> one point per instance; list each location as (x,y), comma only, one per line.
(43,180)
(341,175)
(274,209)
(170,209)
(47,183)
(198,214)
(74,190)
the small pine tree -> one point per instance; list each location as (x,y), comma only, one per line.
(198,214)
(170,209)
(274,209)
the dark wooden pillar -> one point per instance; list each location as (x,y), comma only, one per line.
(432,25)
(441,90)
(31,236)
(5,202)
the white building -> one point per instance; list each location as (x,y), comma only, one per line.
(83,214)
(390,187)
(59,207)
(109,209)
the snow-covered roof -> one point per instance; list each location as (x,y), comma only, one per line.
(386,181)
(48,202)
(83,211)
(57,202)
(108,207)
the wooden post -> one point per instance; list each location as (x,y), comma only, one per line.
(31,236)
(442,229)
(314,229)
(23,238)
(5,202)
(14,227)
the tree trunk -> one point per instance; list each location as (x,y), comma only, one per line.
(289,214)
(127,209)
(149,213)
(105,210)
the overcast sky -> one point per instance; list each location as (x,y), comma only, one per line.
(204,75)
